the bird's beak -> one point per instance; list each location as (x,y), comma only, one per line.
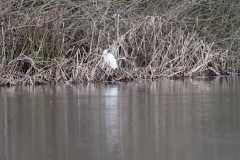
(98,55)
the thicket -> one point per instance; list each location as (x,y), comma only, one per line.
(50,41)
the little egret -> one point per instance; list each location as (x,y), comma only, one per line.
(109,59)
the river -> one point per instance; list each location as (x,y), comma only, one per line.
(190,119)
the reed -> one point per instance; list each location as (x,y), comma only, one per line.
(49,42)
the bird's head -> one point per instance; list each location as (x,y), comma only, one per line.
(105,52)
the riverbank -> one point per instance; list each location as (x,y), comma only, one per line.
(58,42)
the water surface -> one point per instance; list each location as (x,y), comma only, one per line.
(168,120)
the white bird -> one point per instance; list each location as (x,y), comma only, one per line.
(109,59)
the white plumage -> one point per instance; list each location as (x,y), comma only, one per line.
(109,59)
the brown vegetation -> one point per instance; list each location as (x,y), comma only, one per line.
(44,42)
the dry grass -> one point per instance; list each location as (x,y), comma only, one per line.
(49,42)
